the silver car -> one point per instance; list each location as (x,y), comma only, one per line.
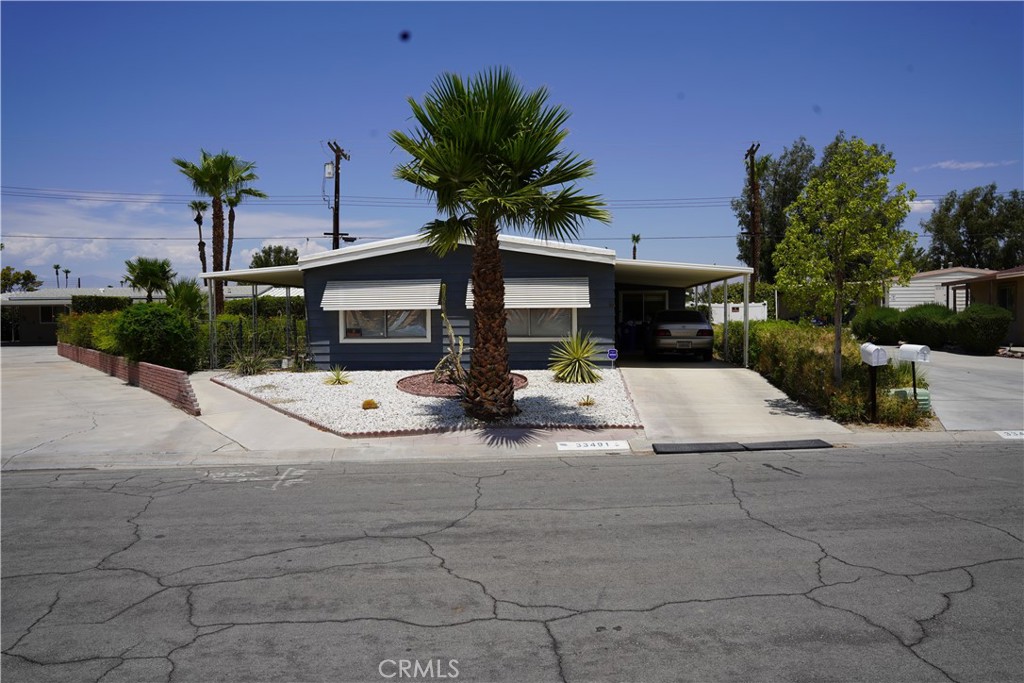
(680,331)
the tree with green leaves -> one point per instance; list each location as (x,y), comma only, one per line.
(149,274)
(274,255)
(489,154)
(19,280)
(185,295)
(56,272)
(66,271)
(636,240)
(844,240)
(217,176)
(979,228)
(781,179)
(199,207)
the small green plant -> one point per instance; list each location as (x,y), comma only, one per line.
(572,360)
(370,404)
(587,400)
(449,368)
(338,376)
(156,333)
(248,362)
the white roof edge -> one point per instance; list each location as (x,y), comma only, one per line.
(677,264)
(395,245)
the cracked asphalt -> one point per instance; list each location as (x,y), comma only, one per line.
(849,564)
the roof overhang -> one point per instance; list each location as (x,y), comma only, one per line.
(278,276)
(667,274)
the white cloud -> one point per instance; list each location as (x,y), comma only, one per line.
(922,206)
(951,165)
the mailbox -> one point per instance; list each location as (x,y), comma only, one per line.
(872,355)
(915,353)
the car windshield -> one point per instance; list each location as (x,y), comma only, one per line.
(681,317)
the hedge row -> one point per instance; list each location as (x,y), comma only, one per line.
(797,358)
(158,334)
(980,328)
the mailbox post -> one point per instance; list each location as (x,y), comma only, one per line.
(874,357)
(915,353)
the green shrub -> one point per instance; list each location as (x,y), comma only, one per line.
(76,329)
(185,295)
(572,360)
(266,307)
(82,303)
(156,333)
(104,332)
(877,324)
(981,328)
(928,324)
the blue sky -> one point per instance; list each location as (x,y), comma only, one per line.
(665,98)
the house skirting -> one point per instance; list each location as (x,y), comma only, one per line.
(167,383)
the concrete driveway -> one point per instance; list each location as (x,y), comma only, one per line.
(689,400)
(975,392)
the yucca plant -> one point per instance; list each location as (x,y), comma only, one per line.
(338,376)
(572,360)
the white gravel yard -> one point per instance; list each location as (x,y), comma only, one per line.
(543,402)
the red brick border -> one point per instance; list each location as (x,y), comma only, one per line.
(166,383)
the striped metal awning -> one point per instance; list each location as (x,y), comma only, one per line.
(380,295)
(551,292)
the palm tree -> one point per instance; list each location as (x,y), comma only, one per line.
(242,175)
(66,271)
(199,206)
(185,295)
(56,271)
(636,240)
(215,177)
(149,274)
(488,153)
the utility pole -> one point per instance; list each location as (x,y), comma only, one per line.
(755,214)
(339,154)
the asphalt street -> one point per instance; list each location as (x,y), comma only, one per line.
(849,564)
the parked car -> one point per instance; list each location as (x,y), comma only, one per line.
(685,331)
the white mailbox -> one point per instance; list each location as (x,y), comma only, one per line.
(915,353)
(873,355)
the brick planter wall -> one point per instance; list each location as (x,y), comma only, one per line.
(166,383)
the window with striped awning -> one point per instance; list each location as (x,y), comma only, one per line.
(379,295)
(530,292)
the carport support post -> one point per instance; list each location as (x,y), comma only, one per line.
(725,318)
(254,345)
(746,321)
(213,323)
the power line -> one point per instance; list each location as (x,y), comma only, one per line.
(314,237)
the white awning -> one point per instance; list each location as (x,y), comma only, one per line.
(551,292)
(380,295)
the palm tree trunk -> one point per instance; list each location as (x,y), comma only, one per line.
(231,236)
(218,253)
(202,245)
(489,392)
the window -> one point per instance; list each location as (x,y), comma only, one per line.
(641,306)
(391,325)
(540,322)
(541,309)
(48,314)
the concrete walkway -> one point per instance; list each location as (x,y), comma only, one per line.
(59,414)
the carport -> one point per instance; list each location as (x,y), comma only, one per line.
(648,277)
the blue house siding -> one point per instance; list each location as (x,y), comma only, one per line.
(323,327)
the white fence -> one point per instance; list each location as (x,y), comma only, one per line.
(758,311)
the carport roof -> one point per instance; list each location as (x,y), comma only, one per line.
(630,272)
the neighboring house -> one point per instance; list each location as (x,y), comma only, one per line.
(1003,288)
(377,306)
(929,288)
(38,310)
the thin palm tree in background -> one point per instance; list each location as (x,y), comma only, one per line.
(66,271)
(198,207)
(488,152)
(636,240)
(241,175)
(149,274)
(56,271)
